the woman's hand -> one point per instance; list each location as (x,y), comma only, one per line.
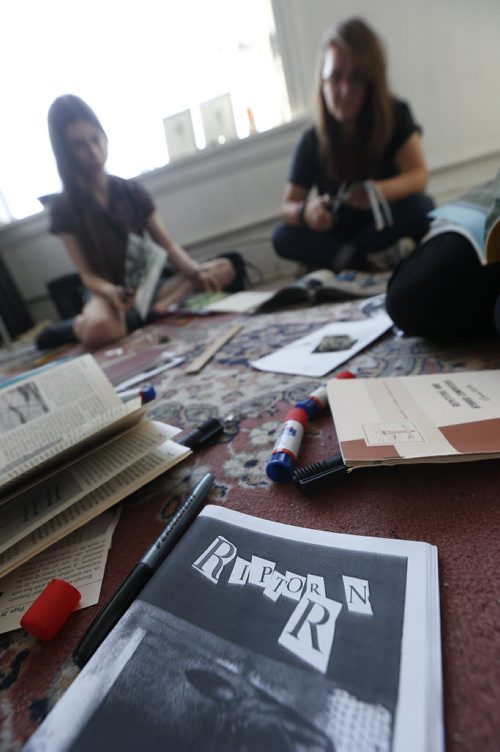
(205,278)
(120,298)
(357,198)
(317,216)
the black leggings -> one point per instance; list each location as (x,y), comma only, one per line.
(442,291)
(353,227)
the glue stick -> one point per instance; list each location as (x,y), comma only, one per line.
(286,449)
(315,402)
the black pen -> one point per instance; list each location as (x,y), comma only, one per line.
(141,573)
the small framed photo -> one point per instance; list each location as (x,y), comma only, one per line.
(179,133)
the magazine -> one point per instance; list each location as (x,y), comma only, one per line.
(476,216)
(254,635)
(440,417)
(70,448)
(144,262)
(320,286)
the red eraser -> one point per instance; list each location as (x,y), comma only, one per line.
(345,375)
(49,612)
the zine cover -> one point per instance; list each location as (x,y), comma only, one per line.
(251,638)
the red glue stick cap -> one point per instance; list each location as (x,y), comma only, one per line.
(298,414)
(345,375)
(49,612)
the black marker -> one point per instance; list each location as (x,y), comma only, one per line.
(141,573)
(199,437)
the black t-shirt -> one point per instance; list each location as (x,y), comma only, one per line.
(307,169)
(128,209)
(129,206)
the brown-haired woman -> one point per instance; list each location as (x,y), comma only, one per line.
(94,216)
(361,133)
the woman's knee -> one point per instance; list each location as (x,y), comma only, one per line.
(95,331)
(426,293)
(287,242)
(496,315)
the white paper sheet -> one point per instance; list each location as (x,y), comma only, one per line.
(300,358)
(79,559)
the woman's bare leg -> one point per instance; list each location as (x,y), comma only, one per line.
(99,323)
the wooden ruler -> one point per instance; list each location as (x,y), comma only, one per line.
(198,363)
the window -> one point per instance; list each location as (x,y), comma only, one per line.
(159,74)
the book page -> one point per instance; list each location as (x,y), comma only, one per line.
(246,301)
(89,506)
(492,225)
(467,215)
(31,508)
(430,417)
(44,415)
(464,220)
(79,559)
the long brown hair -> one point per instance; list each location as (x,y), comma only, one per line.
(375,122)
(101,243)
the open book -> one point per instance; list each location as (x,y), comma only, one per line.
(444,417)
(476,215)
(144,261)
(254,635)
(69,449)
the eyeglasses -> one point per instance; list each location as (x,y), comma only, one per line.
(354,79)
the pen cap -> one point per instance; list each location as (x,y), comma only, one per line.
(49,612)
(147,394)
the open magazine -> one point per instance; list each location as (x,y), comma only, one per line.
(144,262)
(319,286)
(254,635)
(476,216)
(69,449)
(441,417)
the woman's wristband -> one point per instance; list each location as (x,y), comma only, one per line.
(300,213)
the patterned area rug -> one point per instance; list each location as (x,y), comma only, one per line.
(452,506)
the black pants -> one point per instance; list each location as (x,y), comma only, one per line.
(442,291)
(353,227)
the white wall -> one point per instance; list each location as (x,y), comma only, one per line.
(444,58)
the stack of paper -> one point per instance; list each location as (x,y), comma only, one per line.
(260,636)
